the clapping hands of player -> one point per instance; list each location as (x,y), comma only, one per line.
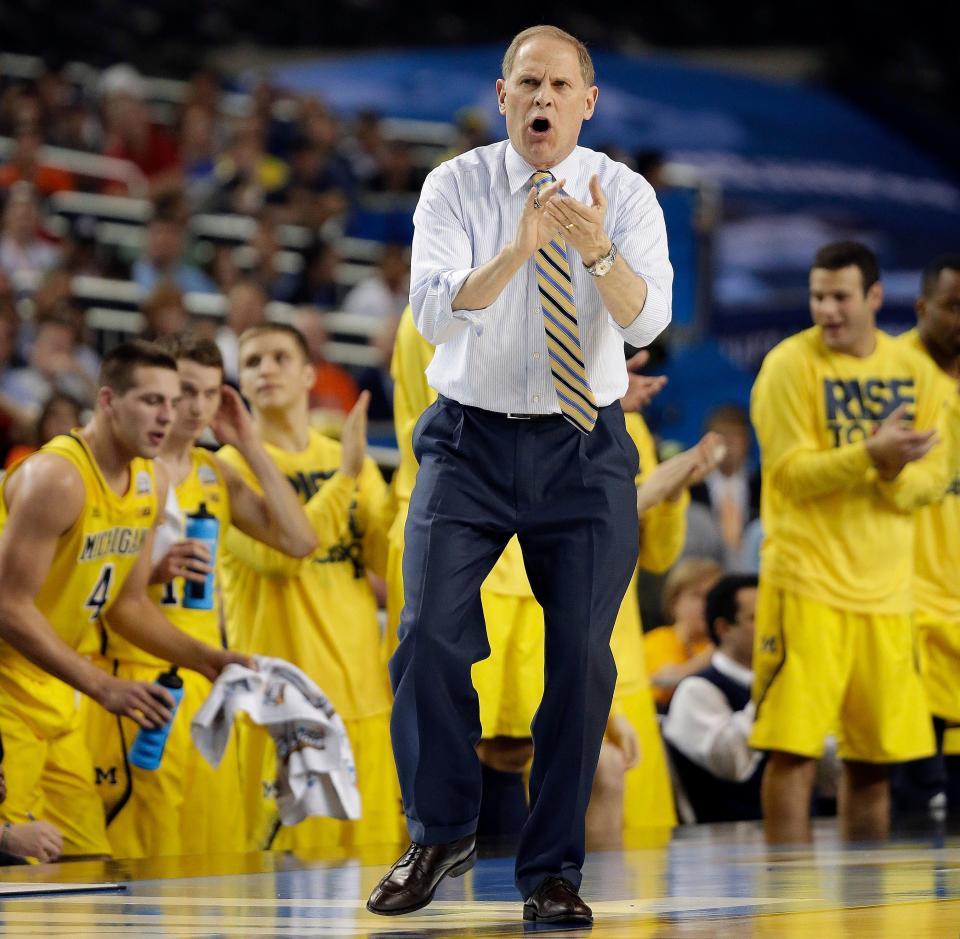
(671,477)
(641,389)
(353,437)
(895,444)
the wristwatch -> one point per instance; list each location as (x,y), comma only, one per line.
(603,264)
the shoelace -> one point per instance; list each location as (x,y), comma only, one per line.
(412,854)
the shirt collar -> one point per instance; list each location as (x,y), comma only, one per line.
(733,670)
(519,170)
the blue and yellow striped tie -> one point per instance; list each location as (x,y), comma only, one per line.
(555,287)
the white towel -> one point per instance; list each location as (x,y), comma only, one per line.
(315,769)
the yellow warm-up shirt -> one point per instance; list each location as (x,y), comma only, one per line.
(936,582)
(203,484)
(317,612)
(663,528)
(90,563)
(835,532)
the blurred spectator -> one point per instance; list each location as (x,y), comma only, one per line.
(165,313)
(129,134)
(473,130)
(377,378)
(396,171)
(198,150)
(224,269)
(651,165)
(711,714)
(162,258)
(248,177)
(60,415)
(267,270)
(333,389)
(13,417)
(365,147)
(246,307)
(386,291)
(320,285)
(321,180)
(22,250)
(729,498)
(674,652)
(25,165)
(55,364)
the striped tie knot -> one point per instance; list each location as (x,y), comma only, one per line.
(564,352)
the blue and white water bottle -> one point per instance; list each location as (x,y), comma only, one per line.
(147,749)
(202,526)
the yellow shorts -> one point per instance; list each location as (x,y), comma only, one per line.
(381,822)
(510,682)
(185,806)
(951,740)
(648,796)
(51,778)
(819,669)
(938,643)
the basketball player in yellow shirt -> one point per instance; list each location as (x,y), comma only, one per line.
(937,548)
(78,522)
(319,612)
(200,805)
(846,418)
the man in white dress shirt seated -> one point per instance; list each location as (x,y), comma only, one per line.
(711,715)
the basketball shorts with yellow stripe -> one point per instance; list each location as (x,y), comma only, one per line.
(51,777)
(938,644)
(183,807)
(381,821)
(647,795)
(819,669)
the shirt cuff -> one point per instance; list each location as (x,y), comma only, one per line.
(653,319)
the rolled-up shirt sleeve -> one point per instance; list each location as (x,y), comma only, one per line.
(442,259)
(641,238)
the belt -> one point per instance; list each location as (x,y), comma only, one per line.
(513,416)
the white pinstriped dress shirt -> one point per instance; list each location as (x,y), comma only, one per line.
(496,358)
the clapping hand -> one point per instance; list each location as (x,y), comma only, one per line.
(581,225)
(535,229)
(641,389)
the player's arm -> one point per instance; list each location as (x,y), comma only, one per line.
(135,617)
(328,511)
(273,516)
(45,498)
(783,416)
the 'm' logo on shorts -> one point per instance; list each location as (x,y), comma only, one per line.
(106,775)
(769,644)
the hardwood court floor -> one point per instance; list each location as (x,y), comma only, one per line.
(709,881)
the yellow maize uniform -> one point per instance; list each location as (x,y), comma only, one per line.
(49,769)
(834,631)
(936,584)
(509,682)
(319,613)
(184,806)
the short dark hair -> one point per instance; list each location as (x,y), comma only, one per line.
(284,328)
(119,364)
(931,273)
(728,414)
(840,254)
(193,349)
(722,600)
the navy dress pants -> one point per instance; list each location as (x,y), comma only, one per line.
(571,499)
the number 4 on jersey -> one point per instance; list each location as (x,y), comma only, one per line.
(100,595)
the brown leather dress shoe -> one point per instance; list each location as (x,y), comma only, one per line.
(412,881)
(556,901)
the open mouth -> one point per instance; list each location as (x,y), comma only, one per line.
(540,125)
(156,437)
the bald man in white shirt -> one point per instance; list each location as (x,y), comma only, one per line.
(534,260)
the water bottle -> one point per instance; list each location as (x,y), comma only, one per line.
(147,749)
(201,526)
